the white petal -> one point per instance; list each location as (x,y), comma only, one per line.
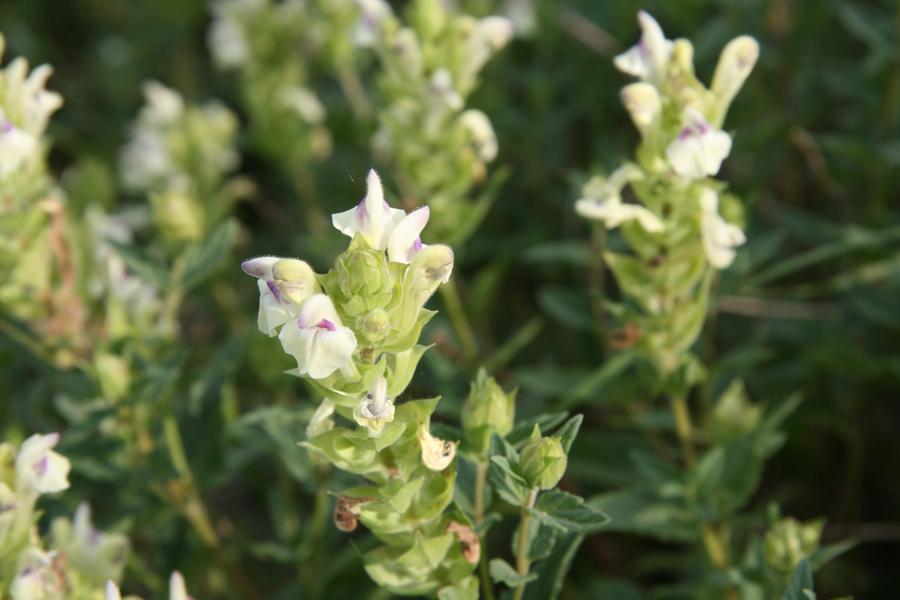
(720,238)
(273,313)
(260,267)
(648,58)
(699,149)
(177,589)
(39,469)
(404,241)
(321,420)
(318,308)
(112,592)
(330,351)
(437,454)
(372,217)
(375,408)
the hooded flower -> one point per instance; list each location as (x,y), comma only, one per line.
(39,469)
(383,227)
(284,284)
(735,64)
(95,555)
(375,408)
(318,340)
(603,201)
(437,454)
(321,420)
(720,238)
(699,149)
(648,58)
(479,128)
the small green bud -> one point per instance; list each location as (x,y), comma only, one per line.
(114,375)
(487,410)
(373,326)
(364,278)
(542,461)
(788,542)
(734,414)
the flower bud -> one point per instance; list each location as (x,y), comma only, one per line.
(643,104)
(295,279)
(178,214)
(430,267)
(487,410)
(734,414)
(373,326)
(788,542)
(364,278)
(542,461)
(737,60)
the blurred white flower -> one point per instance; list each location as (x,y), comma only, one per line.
(318,340)
(37,578)
(177,588)
(699,149)
(227,42)
(648,58)
(602,201)
(303,102)
(372,15)
(643,103)
(321,420)
(17,146)
(720,238)
(40,470)
(483,137)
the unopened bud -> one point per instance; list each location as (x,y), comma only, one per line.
(487,410)
(542,461)
(788,542)
(643,104)
(735,64)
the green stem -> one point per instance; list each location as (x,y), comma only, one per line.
(480,480)
(459,320)
(683,428)
(523,563)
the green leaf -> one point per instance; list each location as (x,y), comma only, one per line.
(641,511)
(141,265)
(508,484)
(568,431)
(551,572)
(593,384)
(502,572)
(567,512)
(800,586)
(201,259)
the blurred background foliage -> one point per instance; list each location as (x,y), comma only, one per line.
(810,306)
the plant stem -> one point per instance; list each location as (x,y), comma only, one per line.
(460,322)
(194,510)
(523,563)
(683,428)
(355,92)
(480,479)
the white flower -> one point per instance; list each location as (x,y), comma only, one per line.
(16,146)
(643,104)
(303,102)
(720,238)
(317,339)
(383,227)
(375,409)
(483,137)
(95,555)
(227,42)
(437,454)
(699,149)
(112,592)
(648,58)
(372,15)
(36,578)
(39,469)
(163,105)
(735,64)
(284,284)
(177,589)
(441,85)
(603,201)
(496,31)
(321,420)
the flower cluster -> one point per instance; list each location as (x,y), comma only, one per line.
(354,333)
(438,148)
(76,560)
(261,41)
(666,204)
(180,154)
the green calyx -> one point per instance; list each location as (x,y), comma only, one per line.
(487,410)
(542,461)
